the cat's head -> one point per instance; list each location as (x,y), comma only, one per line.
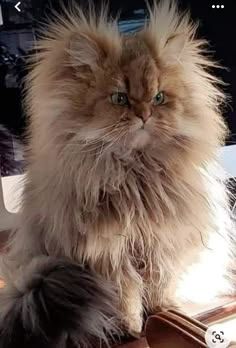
(151,90)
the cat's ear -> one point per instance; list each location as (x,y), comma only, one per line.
(169,33)
(86,50)
(174,47)
(94,49)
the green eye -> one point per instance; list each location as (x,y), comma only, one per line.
(119,98)
(159,98)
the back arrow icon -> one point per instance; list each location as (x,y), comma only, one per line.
(17,6)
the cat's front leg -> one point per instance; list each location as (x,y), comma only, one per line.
(160,296)
(131,296)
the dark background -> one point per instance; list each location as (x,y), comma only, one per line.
(19,30)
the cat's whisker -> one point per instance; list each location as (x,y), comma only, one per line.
(100,154)
(88,148)
(94,149)
(104,137)
(95,140)
(91,145)
(103,150)
(114,140)
(126,138)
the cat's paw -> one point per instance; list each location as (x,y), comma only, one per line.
(133,325)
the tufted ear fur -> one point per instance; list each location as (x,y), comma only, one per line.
(88,50)
(174,47)
(95,40)
(81,39)
(168,33)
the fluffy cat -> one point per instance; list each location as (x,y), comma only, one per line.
(123,133)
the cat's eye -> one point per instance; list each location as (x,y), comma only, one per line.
(120,98)
(159,98)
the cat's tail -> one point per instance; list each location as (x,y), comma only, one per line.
(57,303)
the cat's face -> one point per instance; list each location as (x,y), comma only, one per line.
(121,93)
(134,105)
(136,98)
(133,102)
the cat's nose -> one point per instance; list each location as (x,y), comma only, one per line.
(143,111)
(144,115)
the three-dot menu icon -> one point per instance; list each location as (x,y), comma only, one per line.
(218,6)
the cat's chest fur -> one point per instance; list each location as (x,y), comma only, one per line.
(141,209)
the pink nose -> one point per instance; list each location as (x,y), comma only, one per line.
(143,111)
(144,115)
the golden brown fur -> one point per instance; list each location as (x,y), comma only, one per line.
(134,204)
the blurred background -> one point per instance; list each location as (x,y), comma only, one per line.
(18,31)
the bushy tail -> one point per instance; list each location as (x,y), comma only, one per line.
(56,303)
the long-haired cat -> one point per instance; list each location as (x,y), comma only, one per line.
(124,132)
